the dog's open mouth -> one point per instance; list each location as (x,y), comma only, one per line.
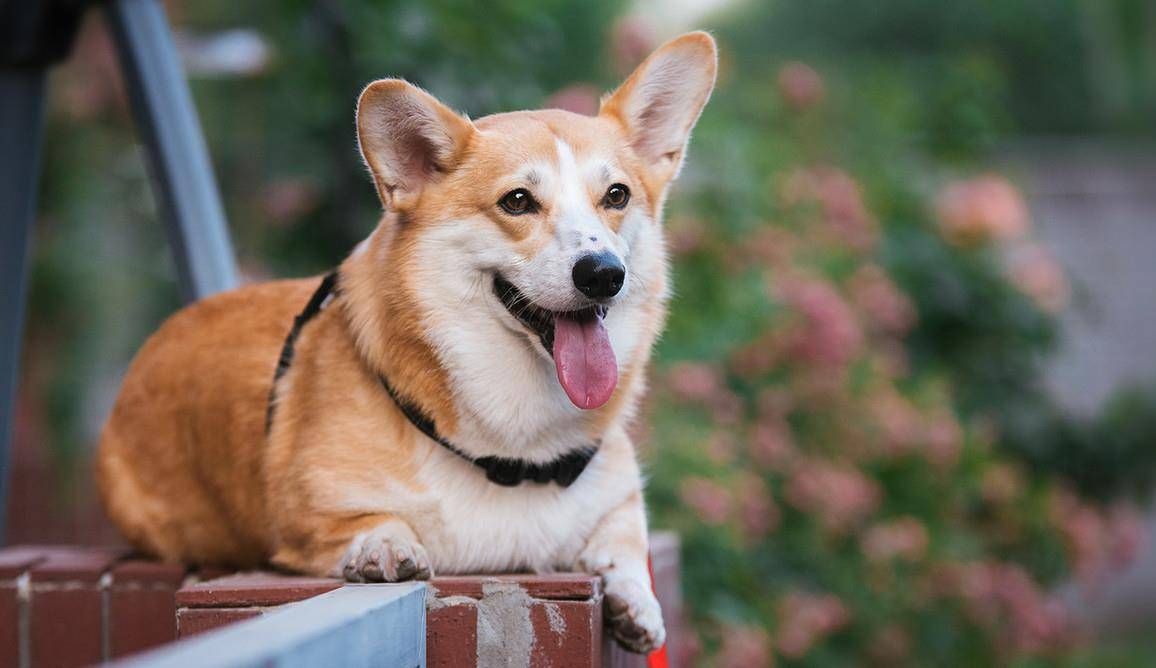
(578,341)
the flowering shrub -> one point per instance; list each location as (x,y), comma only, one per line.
(840,502)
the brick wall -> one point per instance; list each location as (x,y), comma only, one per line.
(62,606)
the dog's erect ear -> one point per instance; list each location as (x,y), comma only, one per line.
(407,138)
(661,101)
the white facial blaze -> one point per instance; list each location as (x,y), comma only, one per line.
(577,225)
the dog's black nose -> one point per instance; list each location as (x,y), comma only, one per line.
(599,275)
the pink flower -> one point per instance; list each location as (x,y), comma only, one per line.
(884,306)
(771,445)
(839,496)
(764,354)
(905,538)
(986,208)
(708,499)
(577,98)
(1037,274)
(1086,532)
(828,333)
(806,619)
(753,360)
(720,447)
(93,83)
(745,647)
(1099,542)
(758,513)
(1005,598)
(726,407)
(841,201)
(899,422)
(685,235)
(694,382)
(944,440)
(801,86)
(631,40)
(285,200)
(770,246)
(1127,532)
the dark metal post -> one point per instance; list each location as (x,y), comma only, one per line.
(179,161)
(21,125)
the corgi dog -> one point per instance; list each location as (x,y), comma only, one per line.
(454,397)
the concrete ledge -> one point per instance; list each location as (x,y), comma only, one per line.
(353,625)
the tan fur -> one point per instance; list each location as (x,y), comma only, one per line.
(185,468)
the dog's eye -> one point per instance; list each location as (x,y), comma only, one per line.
(517,202)
(616,197)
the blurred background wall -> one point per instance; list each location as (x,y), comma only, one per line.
(906,391)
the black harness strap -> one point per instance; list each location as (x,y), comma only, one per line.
(506,472)
(312,308)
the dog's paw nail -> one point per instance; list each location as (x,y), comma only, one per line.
(406,569)
(372,572)
(386,554)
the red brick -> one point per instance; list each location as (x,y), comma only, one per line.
(65,624)
(14,561)
(64,614)
(452,636)
(554,587)
(9,626)
(64,564)
(566,633)
(253,589)
(141,571)
(142,606)
(191,621)
(206,573)
(139,619)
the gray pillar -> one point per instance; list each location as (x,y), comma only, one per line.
(21,126)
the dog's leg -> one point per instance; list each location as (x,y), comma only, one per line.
(373,548)
(617,551)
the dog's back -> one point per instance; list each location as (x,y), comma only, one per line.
(179,464)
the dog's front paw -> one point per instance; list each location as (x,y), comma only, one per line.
(389,553)
(633,614)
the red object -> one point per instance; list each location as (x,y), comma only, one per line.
(657,658)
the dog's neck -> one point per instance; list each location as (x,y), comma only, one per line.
(385,314)
(387,330)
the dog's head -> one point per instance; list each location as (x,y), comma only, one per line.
(534,238)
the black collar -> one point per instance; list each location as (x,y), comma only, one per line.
(506,472)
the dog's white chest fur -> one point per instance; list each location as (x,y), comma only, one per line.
(469,524)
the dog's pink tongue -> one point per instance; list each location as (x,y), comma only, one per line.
(584,360)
